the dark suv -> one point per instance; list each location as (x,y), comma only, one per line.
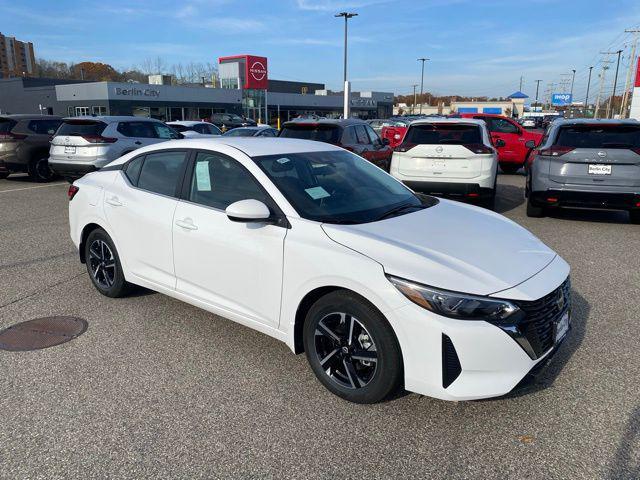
(24,145)
(227,121)
(353,135)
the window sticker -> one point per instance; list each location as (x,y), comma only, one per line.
(203,181)
(317,192)
(283,160)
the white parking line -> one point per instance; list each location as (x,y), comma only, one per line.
(31,188)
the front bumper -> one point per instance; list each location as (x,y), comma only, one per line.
(586,199)
(466,359)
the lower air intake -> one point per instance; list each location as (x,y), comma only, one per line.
(450,362)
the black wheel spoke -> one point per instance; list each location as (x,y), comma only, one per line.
(365,355)
(329,359)
(322,329)
(102,263)
(354,380)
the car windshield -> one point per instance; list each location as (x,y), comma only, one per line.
(444,133)
(339,187)
(599,136)
(318,132)
(240,132)
(179,128)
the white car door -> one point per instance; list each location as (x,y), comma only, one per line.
(139,207)
(235,267)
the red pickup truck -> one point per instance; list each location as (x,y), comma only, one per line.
(514,153)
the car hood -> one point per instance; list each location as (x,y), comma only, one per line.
(452,246)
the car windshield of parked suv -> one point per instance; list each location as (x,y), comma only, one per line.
(240,132)
(339,187)
(443,133)
(599,136)
(317,132)
(81,127)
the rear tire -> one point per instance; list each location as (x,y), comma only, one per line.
(509,168)
(103,265)
(534,210)
(490,202)
(352,349)
(39,170)
(4,175)
(634,217)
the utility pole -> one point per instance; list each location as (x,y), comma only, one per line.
(413,107)
(520,89)
(602,75)
(537,88)
(347,89)
(573,79)
(630,70)
(586,99)
(615,80)
(422,80)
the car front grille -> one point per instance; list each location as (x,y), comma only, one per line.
(538,325)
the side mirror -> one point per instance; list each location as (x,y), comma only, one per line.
(248,211)
(500,143)
(530,144)
(385,141)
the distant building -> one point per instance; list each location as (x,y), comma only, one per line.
(16,58)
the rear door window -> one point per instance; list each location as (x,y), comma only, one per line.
(78,128)
(349,136)
(361,135)
(6,124)
(373,136)
(161,171)
(320,133)
(599,136)
(137,129)
(448,134)
(44,127)
(132,170)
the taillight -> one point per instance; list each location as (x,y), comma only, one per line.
(72,191)
(397,136)
(12,136)
(554,151)
(404,146)
(99,139)
(479,148)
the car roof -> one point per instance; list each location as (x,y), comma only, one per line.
(111,119)
(327,121)
(595,121)
(31,116)
(187,123)
(251,146)
(468,121)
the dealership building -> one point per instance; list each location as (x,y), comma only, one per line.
(243,88)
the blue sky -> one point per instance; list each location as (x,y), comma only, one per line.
(477,47)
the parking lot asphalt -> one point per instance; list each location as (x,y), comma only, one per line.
(158,389)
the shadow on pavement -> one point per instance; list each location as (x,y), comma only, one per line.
(508,197)
(599,216)
(625,462)
(546,376)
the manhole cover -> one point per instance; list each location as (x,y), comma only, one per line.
(41,333)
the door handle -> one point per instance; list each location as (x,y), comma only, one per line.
(138,142)
(113,201)
(187,224)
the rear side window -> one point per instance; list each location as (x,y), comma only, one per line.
(320,133)
(449,134)
(44,127)
(349,136)
(373,136)
(136,129)
(6,125)
(599,136)
(133,169)
(78,128)
(361,133)
(160,172)
(500,125)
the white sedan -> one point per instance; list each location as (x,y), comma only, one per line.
(382,288)
(195,129)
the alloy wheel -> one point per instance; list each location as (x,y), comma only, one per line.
(346,350)
(102,263)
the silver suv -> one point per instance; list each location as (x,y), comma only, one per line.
(85,144)
(586,163)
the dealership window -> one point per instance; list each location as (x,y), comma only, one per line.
(99,110)
(159,113)
(140,112)
(175,114)
(304,90)
(191,113)
(79,111)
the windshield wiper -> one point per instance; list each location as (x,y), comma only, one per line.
(398,209)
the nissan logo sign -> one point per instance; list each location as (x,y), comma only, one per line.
(258,71)
(602,154)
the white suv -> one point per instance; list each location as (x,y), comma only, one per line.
(448,156)
(85,144)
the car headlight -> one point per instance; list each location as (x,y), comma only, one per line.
(453,304)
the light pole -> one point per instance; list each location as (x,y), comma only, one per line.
(537,88)
(413,107)
(615,80)
(347,89)
(586,99)
(422,80)
(573,79)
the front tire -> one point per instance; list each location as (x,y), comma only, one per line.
(352,349)
(103,265)
(4,175)
(39,170)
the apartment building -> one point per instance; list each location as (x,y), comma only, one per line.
(16,58)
